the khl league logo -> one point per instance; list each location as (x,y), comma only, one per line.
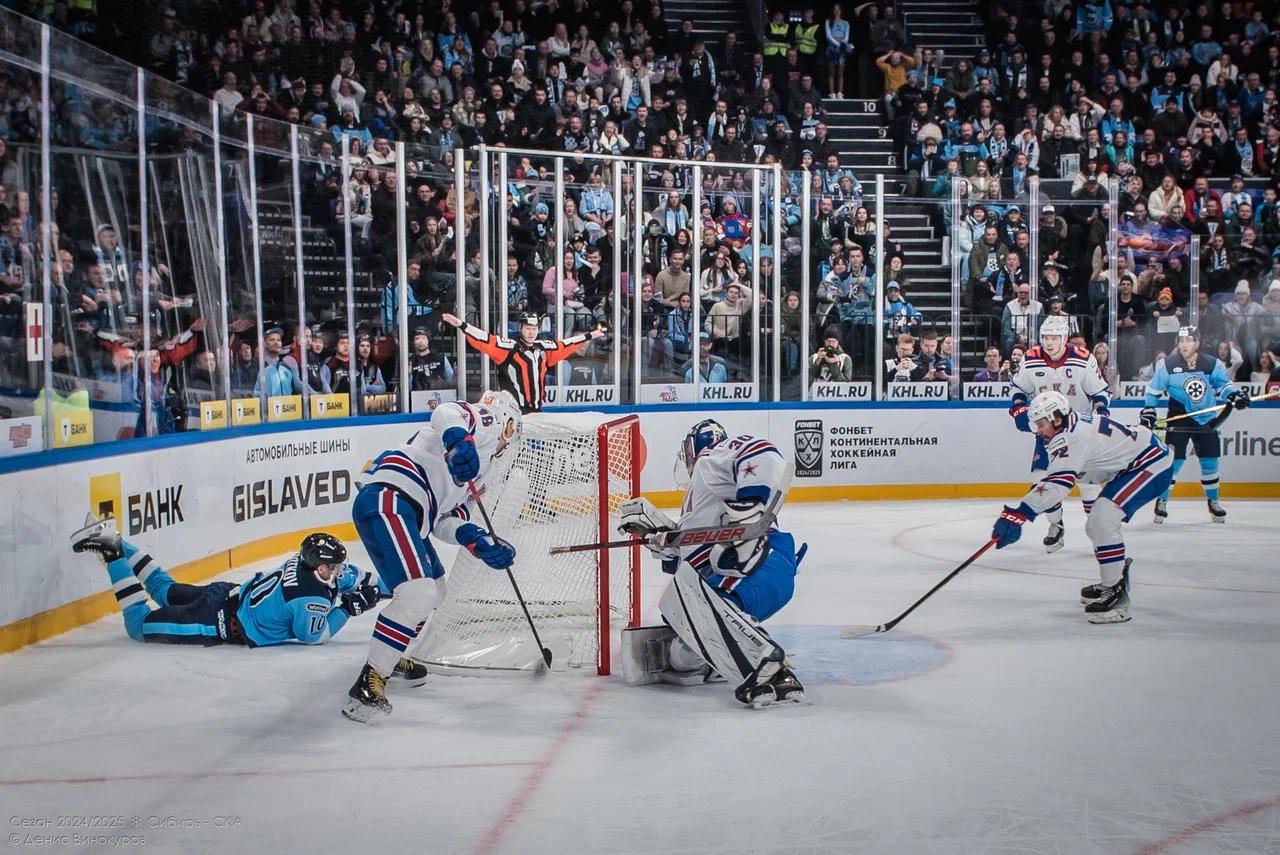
(808,442)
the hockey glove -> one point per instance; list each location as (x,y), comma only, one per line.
(359,601)
(1019,413)
(639,517)
(493,551)
(460,455)
(1238,399)
(1008,527)
(1147,418)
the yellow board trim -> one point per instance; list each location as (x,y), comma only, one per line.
(86,610)
(75,614)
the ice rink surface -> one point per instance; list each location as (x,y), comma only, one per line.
(996,720)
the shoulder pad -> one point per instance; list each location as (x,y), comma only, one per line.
(1035,352)
(1078,352)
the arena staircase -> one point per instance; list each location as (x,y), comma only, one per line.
(950,25)
(858,128)
(711,20)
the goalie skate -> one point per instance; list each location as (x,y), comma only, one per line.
(782,688)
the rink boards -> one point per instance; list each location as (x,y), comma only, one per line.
(205,503)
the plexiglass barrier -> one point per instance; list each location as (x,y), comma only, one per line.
(170,265)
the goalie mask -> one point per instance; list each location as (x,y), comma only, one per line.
(705,434)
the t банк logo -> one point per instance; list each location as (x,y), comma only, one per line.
(808,448)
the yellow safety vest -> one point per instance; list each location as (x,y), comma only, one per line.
(776,41)
(806,38)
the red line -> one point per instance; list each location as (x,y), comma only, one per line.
(1146,583)
(1209,823)
(533,781)
(254,773)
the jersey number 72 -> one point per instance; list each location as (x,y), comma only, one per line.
(1106,426)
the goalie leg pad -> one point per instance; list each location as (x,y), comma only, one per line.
(644,654)
(655,654)
(717,629)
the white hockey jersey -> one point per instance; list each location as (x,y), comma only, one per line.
(418,469)
(1075,375)
(1092,450)
(741,469)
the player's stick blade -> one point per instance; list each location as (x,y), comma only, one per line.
(860,630)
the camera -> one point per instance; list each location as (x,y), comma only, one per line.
(831,351)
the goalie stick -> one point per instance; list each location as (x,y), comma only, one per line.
(861,630)
(546,651)
(690,536)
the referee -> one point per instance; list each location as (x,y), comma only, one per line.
(523,363)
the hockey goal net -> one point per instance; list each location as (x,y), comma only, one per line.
(562,485)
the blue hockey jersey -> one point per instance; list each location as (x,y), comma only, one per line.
(291,605)
(1190,387)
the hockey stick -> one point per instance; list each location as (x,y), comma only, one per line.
(690,536)
(861,630)
(1264,397)
(546,651)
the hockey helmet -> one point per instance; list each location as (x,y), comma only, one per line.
(1056,325)
(1190,332)
(504,406)
(322,548)
(705,434)
(1047,404)
(530,319)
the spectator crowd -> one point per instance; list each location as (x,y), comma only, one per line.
(1175,106)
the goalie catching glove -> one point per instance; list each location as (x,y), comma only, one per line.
(640,518)
(493,551)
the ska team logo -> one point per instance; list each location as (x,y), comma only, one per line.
(808,442)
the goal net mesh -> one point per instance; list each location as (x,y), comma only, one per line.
(547,493)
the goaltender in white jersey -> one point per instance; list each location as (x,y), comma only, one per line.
(1058,366)
(1133,469)
(722,591)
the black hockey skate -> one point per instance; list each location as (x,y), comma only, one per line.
(781,688)
(1162,510)
(1113,606)
(1056,538)
(1094,593)
(100,537)
(368,697)
(409,672)
(1216,513)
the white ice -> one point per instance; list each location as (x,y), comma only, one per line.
(995,720)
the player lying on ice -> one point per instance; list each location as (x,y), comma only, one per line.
(307,599)
(422,488)
(1130,463)
(721,593)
